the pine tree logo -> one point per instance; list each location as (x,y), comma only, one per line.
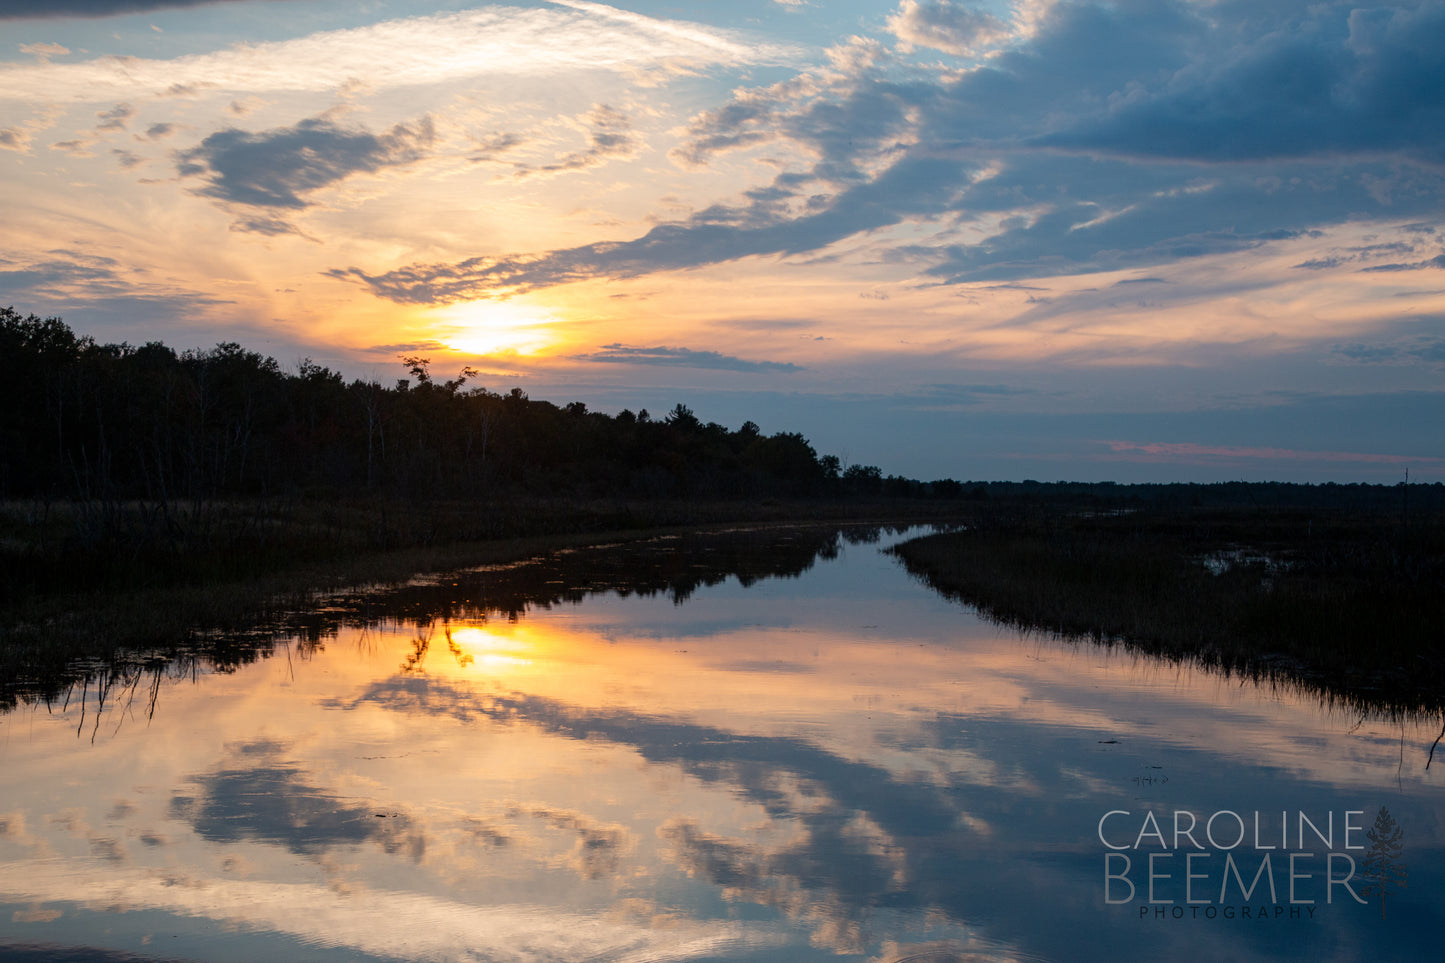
(1383,870)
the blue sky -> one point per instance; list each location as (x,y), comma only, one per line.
(1139,240)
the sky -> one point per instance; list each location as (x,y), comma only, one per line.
(1142,240)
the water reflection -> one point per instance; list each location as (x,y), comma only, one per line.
(810,762)
(675,566)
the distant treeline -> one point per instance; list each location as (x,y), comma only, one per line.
(105,423)
(91,421)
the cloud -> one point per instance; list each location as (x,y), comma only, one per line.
(682,357)
(489,148)
(715,235)
(158,131)
(934,395)
(609,135)
(15,138)
(363,924)
(1364,252)
(62,270)
(1321,263)
(764,324)
(116,118)
(267,226)
(749,119)
(600,846)
(256,794)
(44,51)
(957,28)
(76,147)
(407,347)
(1042,162)
(1435,262)
(1339,80)
(275,168)
(66,280)
(55,9)
(1427,348)
(126,159)
(1190,451)
(848,116)
(491,40)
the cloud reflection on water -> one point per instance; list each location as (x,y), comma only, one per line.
(829,775)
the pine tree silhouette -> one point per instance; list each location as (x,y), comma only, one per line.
(1382,867)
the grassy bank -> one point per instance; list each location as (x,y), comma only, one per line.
(243,570)
(61,548)
(1350,604)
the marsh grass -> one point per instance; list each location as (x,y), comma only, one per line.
(1350,605)
(161,622)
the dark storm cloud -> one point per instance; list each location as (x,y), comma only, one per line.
(54,9)
(681,357)
(1117,136)
(275,168)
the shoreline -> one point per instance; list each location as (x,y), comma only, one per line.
(41,636)
(1349,606)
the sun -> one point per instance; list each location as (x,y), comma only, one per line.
(481,328)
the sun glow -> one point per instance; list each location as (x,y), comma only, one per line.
(482,328)
(474,647)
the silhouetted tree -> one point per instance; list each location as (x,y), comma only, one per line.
(1382,867)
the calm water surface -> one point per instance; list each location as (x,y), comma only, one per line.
(758,747)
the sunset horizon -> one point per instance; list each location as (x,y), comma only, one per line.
(1131,241)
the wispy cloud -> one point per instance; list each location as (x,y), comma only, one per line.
(43,51)
(116,118)
(396,53)
(1426,348)
(1043,161)
(55,9)
(1186,451)
(1435,262)
(62,279)
(712,236)
(681,357)
(609,136)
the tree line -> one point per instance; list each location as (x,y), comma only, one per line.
(91,421)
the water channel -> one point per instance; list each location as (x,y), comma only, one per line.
(763,746)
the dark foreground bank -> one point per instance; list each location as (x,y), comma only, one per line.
(1349,603)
